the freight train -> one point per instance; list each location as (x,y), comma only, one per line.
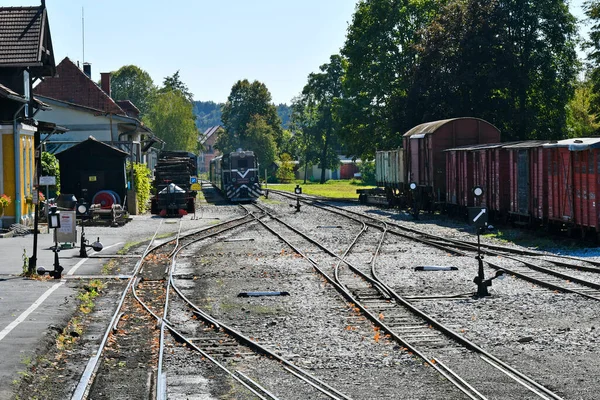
(236,176)
(172,184)
(540,183)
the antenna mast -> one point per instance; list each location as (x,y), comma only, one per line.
(82,35)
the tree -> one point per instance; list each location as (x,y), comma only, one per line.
(304,126)
(132,83)
(260,136)
(321,92)
(380,53)
(250,121)
(285,173)
(581,121)
(172,119)
(174,83)
(510,62)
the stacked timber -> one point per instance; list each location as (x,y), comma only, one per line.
(175,167)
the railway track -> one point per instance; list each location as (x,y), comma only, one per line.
(154,289)
(551,278)
(147,284)
(416,331)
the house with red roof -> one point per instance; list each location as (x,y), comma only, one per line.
(208,140)
(87,109)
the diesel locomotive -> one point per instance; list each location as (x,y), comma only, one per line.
(236,176)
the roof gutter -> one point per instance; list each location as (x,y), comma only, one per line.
(17,140)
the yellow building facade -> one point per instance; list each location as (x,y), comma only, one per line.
(17,178)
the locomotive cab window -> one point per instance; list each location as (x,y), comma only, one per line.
(242,164)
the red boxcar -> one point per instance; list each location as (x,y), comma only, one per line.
(528,181)
(573,182)
(484,165)
(424,149)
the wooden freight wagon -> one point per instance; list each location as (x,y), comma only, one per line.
(573,189)
(424,147)
(390,177)
(484,165)
(528,182)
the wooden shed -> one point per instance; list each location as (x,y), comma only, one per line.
(424,149)
(90,167)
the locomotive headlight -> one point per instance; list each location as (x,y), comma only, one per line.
(81,209)
(233,179)
(251,179)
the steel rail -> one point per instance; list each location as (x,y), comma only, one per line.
(82,389)
(345,293)
(465,342)
(492,265)
(315,382)
(84,384)
(527,252)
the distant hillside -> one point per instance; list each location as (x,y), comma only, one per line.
(208,113)
(284,111)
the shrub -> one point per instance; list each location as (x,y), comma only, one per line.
(367,171)
(141,176)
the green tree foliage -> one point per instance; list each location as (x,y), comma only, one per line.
(250,121)
(285,172)
(592,10)
(174,83)
(132,83)
(260,137)
(51,167)
(509,62)
(304,126)
(172,119)
(141,176)
(581,121)
(381,55)
(320,95)
(285,112)
(367,172)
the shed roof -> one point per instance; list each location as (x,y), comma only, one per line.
(91,141)
(431,127)
(576,144)
(25,39)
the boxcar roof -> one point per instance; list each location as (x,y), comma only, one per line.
(576,144)
(528,144)
(431,127)
(472,147)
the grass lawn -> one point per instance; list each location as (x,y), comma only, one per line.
(343,189)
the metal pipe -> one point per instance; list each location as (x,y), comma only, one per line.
(17,140)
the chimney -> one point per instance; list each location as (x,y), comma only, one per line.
(87,69)
(105,82)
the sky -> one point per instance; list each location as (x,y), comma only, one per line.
(213,43)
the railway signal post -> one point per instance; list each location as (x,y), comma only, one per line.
(298,191)
(478,216)
(53,223)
